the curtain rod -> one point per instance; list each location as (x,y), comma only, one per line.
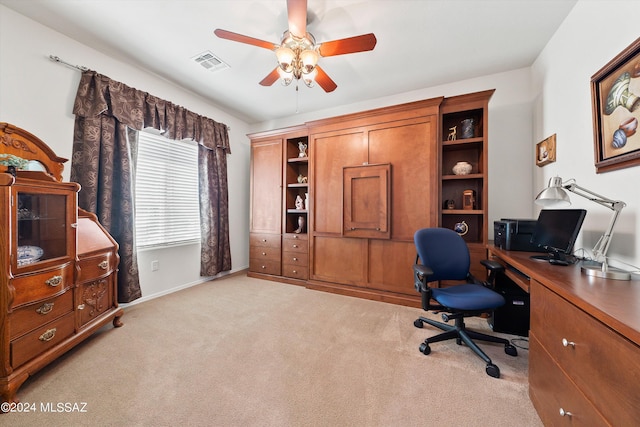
(77,67)
(83,68)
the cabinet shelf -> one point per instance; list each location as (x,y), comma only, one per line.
(298,185)
(298,159)
(297,211)
(468,176)
(461,142)
(462,212)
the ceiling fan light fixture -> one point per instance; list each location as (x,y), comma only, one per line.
(309,60)
(309,78)
(287,77)
(286,57)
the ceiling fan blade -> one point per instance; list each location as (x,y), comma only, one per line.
(324,81)
(297,16)
(224,34)
(271,78)
(349,45)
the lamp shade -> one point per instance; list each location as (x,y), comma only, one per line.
(554,194)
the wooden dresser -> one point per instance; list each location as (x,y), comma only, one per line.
(58,281)
(584,358)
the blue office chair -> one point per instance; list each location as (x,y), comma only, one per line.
(444,255)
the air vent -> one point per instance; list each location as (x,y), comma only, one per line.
(210,61)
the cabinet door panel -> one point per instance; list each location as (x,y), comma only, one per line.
(390,266)
(266,186)
(331,153)
(340,260)
(411,150)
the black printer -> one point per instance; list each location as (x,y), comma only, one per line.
(515,235)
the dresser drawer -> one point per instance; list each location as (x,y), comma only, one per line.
(32,316)
(39,286)
(295,243)
(551,391)
(264,253)
(264,266)
(295,271)
(96,266)
(608,375)
(295,259)
(35,343)
(268,240)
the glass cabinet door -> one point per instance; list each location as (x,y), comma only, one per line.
(42,226)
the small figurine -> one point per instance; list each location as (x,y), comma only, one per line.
(302,179)
(299,202)
(452,134)
(303,149)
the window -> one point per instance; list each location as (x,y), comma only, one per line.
(166,193)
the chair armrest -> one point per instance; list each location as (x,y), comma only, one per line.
(492,266)
(420,275)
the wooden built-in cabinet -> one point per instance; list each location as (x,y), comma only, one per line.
(58,281)
(368,181)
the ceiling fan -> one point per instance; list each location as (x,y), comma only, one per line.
(298,53)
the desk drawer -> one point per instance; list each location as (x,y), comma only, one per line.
(551,390)
(32,316)
(35,343)
(95,267)
(608,375)
(39,286)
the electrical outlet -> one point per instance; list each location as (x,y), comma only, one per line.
(155,265)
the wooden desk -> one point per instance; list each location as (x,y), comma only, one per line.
(584,342)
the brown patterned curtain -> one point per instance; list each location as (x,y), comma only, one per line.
(108,116)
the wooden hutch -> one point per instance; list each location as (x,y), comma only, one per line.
(58,281)
(335,202)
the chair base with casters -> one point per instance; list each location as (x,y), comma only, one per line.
(457,302)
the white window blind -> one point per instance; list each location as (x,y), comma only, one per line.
(166,193)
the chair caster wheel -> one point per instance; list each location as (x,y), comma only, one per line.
(418,323)
(493,370)
(424,348)
(510,350)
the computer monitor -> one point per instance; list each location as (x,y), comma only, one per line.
(556,231)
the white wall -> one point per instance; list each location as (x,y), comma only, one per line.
(37,95)
(593,34)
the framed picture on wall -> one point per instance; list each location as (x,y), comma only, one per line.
(615,99)
(546,151)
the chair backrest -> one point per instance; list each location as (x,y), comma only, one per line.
(444,251)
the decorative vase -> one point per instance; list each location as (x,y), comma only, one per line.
(462,168)
(461,228)
(301,223)
(466,130)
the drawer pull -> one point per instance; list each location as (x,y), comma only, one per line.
(264,240)
(54,281)
(81,307)
(48,335)
(104,264)
(295,272)
(567,343)
(45,308)
(565,413)
(295,259)
(263,267)
(264,253)
(295,246)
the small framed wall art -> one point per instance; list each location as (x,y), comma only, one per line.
(546,151)
(615,101)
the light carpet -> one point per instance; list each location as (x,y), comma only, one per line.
(239,351)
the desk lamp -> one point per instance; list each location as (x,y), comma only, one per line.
(556,194)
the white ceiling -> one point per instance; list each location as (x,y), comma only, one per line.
(421,43)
